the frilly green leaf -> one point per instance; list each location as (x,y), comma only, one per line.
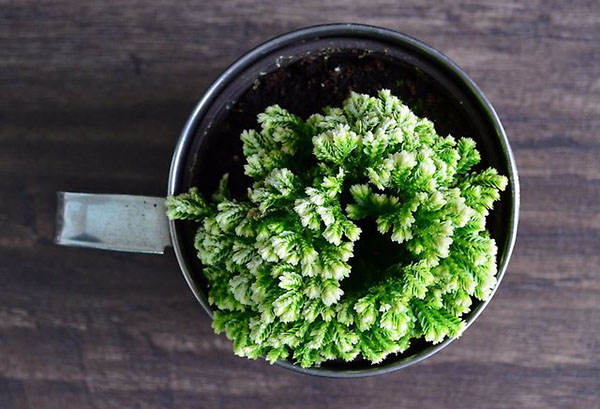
(278,259)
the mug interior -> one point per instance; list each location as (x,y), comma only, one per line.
(308,73)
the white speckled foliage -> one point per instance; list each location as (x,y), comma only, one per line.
(276,260)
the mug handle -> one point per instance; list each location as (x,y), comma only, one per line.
(112,222)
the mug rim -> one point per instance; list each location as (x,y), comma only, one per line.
(355,31)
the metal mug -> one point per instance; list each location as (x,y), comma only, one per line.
(138,223)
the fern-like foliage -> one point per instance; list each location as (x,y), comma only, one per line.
(276,259)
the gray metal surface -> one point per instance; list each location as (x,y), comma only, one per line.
(112,222)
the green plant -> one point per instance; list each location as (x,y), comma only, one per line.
(277,259)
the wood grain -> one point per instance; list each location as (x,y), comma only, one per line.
(93,96)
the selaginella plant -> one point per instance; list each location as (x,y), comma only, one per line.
(276,259)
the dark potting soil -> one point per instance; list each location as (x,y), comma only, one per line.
(304,87)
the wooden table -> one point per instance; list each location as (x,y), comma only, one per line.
(92,98)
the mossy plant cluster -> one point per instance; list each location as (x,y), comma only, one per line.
(276,259)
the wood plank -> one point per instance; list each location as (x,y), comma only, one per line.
(94,95)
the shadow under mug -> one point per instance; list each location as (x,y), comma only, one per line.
(138,223)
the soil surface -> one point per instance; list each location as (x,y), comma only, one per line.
(307,85)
